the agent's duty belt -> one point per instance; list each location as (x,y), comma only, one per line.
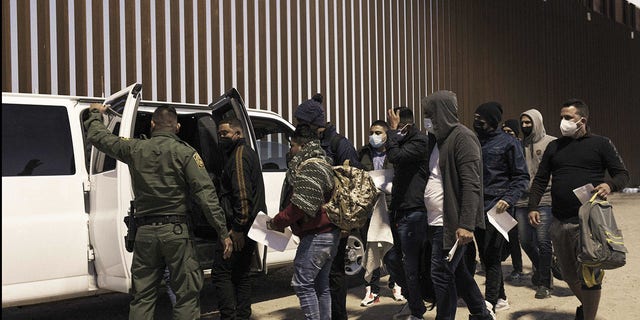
(160,220)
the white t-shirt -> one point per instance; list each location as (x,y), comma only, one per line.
(433,192)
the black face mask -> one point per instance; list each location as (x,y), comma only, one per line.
(480,128)
(526,131)
(226,144)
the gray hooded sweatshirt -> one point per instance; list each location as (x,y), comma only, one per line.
(460,164)
(534,146)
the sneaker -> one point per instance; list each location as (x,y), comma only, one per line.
(397,293)
(490,309)
(543,292)
(515,276)
(502,304)
(369,298)
(535,279)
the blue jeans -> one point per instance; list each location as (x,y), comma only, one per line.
(536,242)
(403,260)
(451,279)
(311,268)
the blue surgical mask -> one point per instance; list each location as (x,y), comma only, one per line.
(376,141)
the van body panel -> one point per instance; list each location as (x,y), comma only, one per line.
(45,239)
(49,290)
(63,235)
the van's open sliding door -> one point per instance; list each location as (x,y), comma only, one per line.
(110,196)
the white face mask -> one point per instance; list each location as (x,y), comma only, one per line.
(376,141)
(428,125)
(568,128)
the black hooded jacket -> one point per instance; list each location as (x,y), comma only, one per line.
(410,158)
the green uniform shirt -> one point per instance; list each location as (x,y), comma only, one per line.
(164,171)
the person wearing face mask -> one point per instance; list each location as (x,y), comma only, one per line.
(453,198)
(242,196)
(408,150)
(373,156)
(577,158)
(535,237)
(505,177)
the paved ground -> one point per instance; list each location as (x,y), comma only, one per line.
(274,299)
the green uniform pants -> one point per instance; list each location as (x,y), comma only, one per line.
(155,247)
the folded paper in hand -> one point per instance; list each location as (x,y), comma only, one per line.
(503,222)
(270,238)
(452,252)
(584,193)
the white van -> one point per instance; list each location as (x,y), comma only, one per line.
(63,202)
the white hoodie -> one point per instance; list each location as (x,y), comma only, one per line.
(534,146)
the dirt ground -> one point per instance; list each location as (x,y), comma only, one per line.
(620,299)
(274,299)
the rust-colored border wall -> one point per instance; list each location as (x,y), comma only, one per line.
(364,56)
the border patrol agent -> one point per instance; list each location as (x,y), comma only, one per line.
(164,171)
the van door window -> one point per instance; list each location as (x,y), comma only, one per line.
(102,161)
(36,141)
(272,139)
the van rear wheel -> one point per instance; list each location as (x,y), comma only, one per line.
(354,256)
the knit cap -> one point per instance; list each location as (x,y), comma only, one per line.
(311,111)
(513,124)
(491,112)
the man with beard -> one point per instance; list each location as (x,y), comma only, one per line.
(242,197)
(577,158)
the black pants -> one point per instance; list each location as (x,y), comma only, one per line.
(492,252)
(338,283)
(514,250)
(232,280)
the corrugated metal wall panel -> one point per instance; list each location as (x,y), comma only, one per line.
(364,56)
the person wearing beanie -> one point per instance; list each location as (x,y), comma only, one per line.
(491,114)
(512,127)
(338,148)
(505,177)
(311,112)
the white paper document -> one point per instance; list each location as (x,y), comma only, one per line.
(584,193)
(452,252)
(270,238)
(503,222)
(383,179)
